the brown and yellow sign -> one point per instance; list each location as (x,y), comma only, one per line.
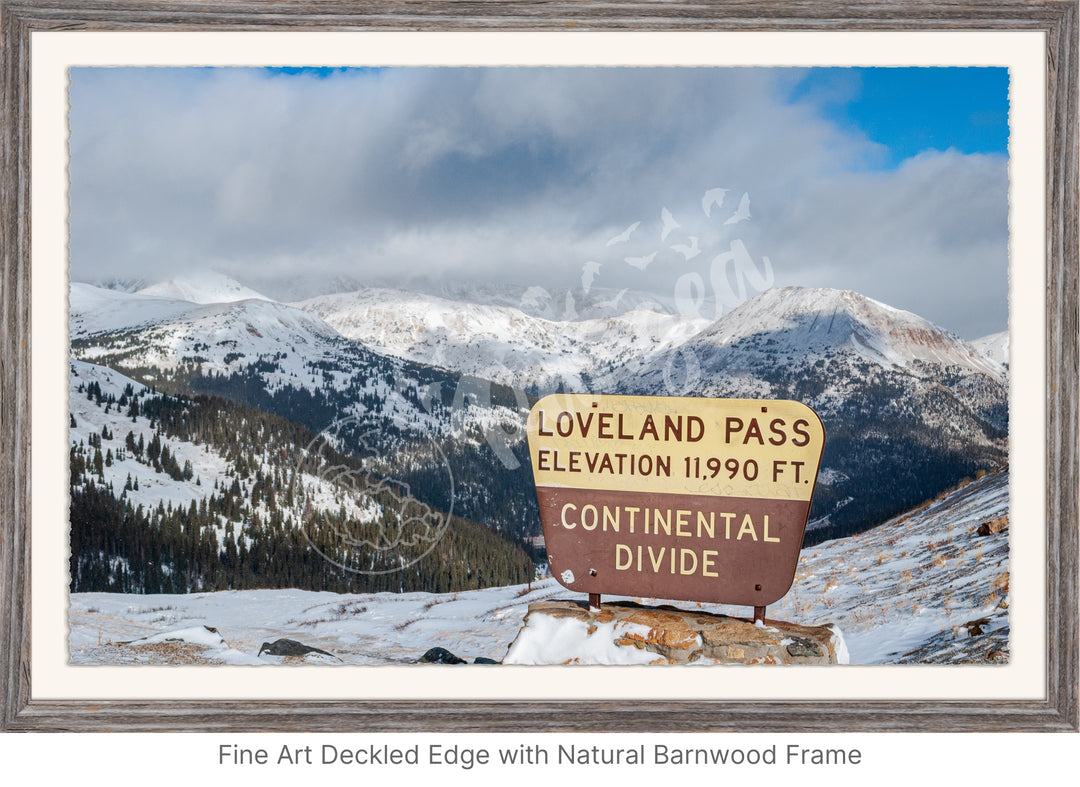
(679,498)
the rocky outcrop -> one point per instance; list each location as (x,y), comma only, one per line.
(568,632)
(993,526)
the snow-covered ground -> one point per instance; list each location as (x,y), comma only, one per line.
(923,587)
(919,576)
(376,628)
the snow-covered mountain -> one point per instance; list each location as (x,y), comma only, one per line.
(557,304)
(994,346)
(148,330)
(202,287)
(289,362)
(828,348)
(98,310)
(782,326)
(816,320)
(502,343)
(794,326)
(908,407)
(176,343)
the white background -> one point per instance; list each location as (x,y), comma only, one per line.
(164,760)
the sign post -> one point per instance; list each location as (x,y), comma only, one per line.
(675,497)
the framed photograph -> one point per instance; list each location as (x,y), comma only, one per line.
(566,351)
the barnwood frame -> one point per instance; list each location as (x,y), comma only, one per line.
(1057,19)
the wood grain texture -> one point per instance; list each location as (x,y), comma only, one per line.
(14,371)
(1059,710)
(1063,375)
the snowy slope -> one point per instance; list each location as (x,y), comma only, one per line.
(922,587)
(503,343)
(90,418)
(900,585)
(202,287)
(290,363)
(99,310)
(210,467)
(995,347)
(221,334)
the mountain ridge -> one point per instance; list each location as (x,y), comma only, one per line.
(909,408)
(204,287)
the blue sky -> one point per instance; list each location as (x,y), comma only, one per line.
(911,110)
(891,182)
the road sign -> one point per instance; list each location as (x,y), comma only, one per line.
(674,497)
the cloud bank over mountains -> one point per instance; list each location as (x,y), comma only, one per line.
(521,175)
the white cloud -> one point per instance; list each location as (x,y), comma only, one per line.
(516,174)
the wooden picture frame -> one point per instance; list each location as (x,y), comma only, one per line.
(1058,710)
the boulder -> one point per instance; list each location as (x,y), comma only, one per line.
(568,632)
(993,526)
(439,656)
(289,648)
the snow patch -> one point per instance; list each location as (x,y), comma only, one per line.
(839,645)
(550,640)
(196,635)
